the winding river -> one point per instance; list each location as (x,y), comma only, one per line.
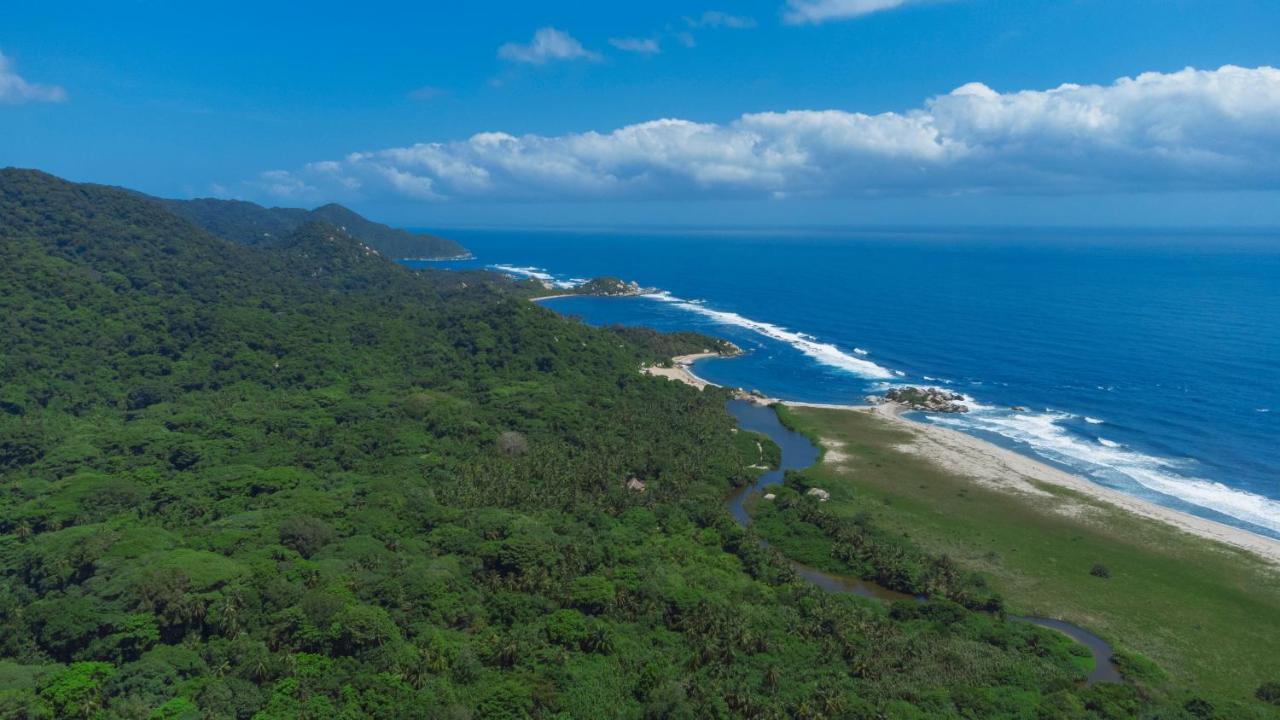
(799,453)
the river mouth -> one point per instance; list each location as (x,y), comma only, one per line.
(799,453)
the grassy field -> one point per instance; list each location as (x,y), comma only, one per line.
(1207,614)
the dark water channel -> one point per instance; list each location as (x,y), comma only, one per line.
(799,453)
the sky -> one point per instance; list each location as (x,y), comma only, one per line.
(770,112)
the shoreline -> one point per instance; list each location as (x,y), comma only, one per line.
(989,464)
(680,370)
(977,458)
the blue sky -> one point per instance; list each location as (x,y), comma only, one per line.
(781,111)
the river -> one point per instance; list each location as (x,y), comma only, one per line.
(799,453)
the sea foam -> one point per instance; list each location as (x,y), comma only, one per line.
(537,274)
(1106,460)
(1042,433)
(824,353)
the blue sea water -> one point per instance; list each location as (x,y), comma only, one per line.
(1147,362)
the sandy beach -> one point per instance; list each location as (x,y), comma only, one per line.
(994,466)
(986,461)
(680,369)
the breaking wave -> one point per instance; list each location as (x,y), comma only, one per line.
(1044,434)
(536,273)
(1117,464)
(824,353)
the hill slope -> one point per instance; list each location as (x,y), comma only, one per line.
(250,224)
(298,480)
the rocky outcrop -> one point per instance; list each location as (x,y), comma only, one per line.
(609,287)
(924,399)
(819,493)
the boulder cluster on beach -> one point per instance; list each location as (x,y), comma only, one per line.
(923,399)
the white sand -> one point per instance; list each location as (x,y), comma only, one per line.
(997,467)
(680,371)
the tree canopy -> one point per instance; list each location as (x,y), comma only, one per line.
(295,480)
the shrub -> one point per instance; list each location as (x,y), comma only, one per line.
(305,534)
(512,443)
(1269,692)
(592,594)
(1100,570)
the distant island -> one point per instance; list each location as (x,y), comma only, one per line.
(248,223)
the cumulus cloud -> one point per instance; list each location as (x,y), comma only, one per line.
(1192,129)
(14,90)
(644,46)
(548,45)
(805,12)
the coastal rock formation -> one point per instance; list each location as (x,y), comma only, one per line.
(609,287)
(754,396)
(924,399)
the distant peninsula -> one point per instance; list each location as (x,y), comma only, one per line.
(248,223)
(604,286)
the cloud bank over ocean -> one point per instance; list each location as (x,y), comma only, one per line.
(1191,129)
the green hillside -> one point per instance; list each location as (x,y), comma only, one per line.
(251,224)
(296,480)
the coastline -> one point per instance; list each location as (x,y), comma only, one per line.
(1005,469)
(464,256)
(681,371)
(991,465)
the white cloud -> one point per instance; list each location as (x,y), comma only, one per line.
(548,44)
(644,46)
(1187,130)
(718,19)
(805,12)
(14,90)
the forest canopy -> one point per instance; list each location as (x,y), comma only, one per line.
(296,480)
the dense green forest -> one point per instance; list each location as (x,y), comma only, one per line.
(295,480)
(251,224)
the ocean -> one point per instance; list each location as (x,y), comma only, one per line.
(1148,362)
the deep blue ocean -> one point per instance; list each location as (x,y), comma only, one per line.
(1148,362)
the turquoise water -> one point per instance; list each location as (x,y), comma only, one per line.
(1149,363)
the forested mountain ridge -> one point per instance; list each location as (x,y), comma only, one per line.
(250,224)
(297,480)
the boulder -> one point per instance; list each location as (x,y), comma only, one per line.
(927,399)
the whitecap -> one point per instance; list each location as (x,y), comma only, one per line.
(1092,420)
(1108,443)
(860,351)
(1044,434)
(824,353)
(537,273)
